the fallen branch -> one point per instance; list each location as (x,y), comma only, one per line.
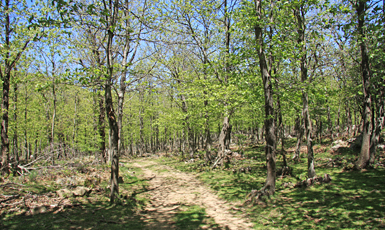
(219,158)
(30,163)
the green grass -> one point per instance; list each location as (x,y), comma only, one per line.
(194,217)
(353,200)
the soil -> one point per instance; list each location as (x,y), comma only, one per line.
(170,189)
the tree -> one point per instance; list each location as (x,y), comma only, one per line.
(270,148)
(19,29)
(361,7)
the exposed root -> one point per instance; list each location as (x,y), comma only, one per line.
(258,195)
(315,180)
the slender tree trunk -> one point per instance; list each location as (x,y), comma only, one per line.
(15,134)
(330,124)
(4,125)
(378,124)
(25,128)
(270,148)
(54,111)
(5,76)
(363,160)
(110,113)
(224,131)
(101,128)
(74,131)
(300,15)
(349,120)
(299,127)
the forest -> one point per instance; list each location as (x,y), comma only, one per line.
(270,112)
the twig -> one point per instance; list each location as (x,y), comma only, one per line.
(31,162)
(60,202)
(217,161)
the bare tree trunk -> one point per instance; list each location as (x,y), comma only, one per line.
(300,130)
(54,110)
(330,124)
(363,160)
(270,148)
(224,131)
(15,134)
(378,124)
(110,113)
(101,128)
(26,156)
(10,60)
(74,132)
(300,15)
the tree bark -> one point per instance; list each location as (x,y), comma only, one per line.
(5,75)
(101,128)
(110,113)
(299,127)
(15,134)
(363,160)
(269,105)
(300,15)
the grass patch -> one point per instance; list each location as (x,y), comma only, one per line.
(194,217)
(353,200)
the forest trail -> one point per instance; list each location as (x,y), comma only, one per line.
(170,190)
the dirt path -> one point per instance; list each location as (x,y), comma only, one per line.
(170,190)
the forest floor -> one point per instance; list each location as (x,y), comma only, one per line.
(173,192)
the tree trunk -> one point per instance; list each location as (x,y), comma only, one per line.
(4,125)
(330,124)
(269,106)
(363,160)
(15,140)
(299,127)
(110,113)
(5,76)
(101,128)
(54,112)
(114,141)
(300,15)
(378,126)
(224,131)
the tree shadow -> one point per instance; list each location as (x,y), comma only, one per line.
(96,215)
(353,200)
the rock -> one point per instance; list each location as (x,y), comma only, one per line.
(339,144)
(326,178)
(37,210)
(355,142)
(381,147)
(81,191)
(64,193)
